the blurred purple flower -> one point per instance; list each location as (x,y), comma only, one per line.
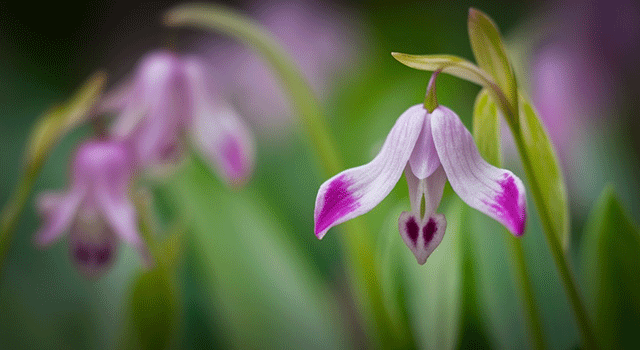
(430,148)
(169,102)
(323,41)
(95,209)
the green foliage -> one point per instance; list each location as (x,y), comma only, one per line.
(486,128)
(154,311)
(610,264)
(262,286)
(490,53)
(545,172)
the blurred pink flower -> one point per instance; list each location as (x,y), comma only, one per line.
(168,102)
(95,209)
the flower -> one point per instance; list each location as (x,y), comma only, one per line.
(168,101)
(430,147)
(96,208)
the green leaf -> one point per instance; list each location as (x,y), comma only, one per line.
(486,128)
(154,312)
(610,266)
(490,53)
(264,290)
(545,170)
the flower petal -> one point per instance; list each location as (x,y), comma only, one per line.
(422,236)
(355,191)
(92,243)
(496,192)
(221,136)
(424,158)
(431,188)
(58,211)
(120,215)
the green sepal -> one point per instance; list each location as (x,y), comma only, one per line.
(545,170)
(486,128)
(489,51)
(610,263)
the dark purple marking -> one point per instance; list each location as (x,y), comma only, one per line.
(413,230)
(507,206)
(82,254)
(103,255)
(429,230)
(338,202)
(232,155)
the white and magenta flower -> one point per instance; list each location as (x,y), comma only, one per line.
(169,102)
(430,148)
(95,209)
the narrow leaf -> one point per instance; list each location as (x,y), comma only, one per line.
(265,292)
(490,53)
(154,312)
(545,170)
(610,266)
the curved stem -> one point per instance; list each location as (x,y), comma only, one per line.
(363,275)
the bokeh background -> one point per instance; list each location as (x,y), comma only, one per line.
(577,60)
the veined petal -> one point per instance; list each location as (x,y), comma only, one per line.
(431,188)
(355,191)
(220,135)
(424,158)
(58,211)
(496,192)
(422,236)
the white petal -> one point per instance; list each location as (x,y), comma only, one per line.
(424,158)
(422,236)
(496,192)
(431,188)
(355,191)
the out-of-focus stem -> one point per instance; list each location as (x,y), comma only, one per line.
(359,254)
(524,283)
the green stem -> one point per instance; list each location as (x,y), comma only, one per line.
(355,245)
(13,209)
(559,257)
(525,286)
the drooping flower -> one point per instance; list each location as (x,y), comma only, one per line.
(168,102)
(95,209)
(431,148)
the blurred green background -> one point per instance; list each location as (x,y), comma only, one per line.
(251,259)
